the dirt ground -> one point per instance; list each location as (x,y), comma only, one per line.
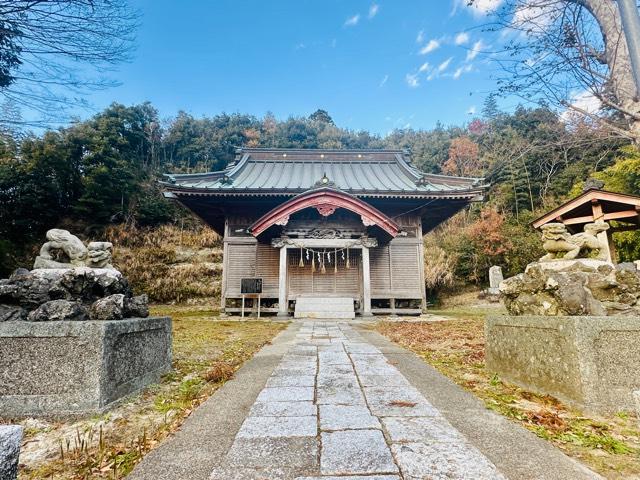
(206,354)
(610,446)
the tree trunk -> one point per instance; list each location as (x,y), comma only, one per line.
(621,79)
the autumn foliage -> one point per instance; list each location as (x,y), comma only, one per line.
(464,158)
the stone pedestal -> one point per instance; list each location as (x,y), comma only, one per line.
(585,361)
(10,440)
(76,368)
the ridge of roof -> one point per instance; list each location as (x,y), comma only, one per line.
(321,150)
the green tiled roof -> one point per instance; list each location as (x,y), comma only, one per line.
(361,172)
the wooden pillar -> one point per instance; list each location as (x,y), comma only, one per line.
(366,282)
(603,237)
(283,302)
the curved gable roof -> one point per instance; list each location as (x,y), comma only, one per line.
(326,201)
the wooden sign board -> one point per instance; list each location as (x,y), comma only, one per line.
(250,286)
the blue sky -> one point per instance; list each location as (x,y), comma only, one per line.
(374,65)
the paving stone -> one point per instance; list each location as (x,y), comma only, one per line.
(353,477)
(421,429)
(298,452)
(398,402)
(450,461)
(309,369)
(339,395)
(235,473)
(338,380)
(257,427)
(362,348)
(374,368)
(291,381)
(303,350)
(334,347)
(353,452)
(285,394)
(333,358)
(336,370)
(383,381)
(343,417)
(420,409)
(294,361)
(283,409)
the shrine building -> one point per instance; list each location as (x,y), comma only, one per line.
(324,224)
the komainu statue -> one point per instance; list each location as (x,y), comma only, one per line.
(560,244)
(100,254)
(64,250)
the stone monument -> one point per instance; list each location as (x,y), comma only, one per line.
(573,328)
(495,278)
(75,315)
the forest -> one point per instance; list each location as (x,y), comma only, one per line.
(104,171)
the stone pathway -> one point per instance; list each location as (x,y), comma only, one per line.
(336,409)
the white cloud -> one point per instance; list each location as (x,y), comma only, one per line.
(534,16)
(460,70)
(478,7)
(584,100)
(384,81)
(435,73)
(431,46)
(373,10)
(475,50)
(420,37)
(352,21)
(444,65)
(472,110)
(461,38)
(424,67)
(412,80)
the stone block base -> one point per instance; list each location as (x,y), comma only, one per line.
(591,363)
(76,368)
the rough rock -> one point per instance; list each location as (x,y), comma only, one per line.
(12,313)
(108,308)
(137,306)
(67,294)
(58,310)
(10,440)
(580,288)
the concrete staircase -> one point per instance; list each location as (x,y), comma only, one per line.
(324,307)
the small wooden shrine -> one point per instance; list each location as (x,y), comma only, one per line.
(595,205)
(323,223)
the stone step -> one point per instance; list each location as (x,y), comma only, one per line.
(328,308)
(325,300)
(324,307)
(325,315)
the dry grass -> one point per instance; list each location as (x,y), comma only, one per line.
(610,446)
(206,354)
(132,237)
(168,263)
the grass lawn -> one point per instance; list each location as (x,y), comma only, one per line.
(205,355)
(610,446)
